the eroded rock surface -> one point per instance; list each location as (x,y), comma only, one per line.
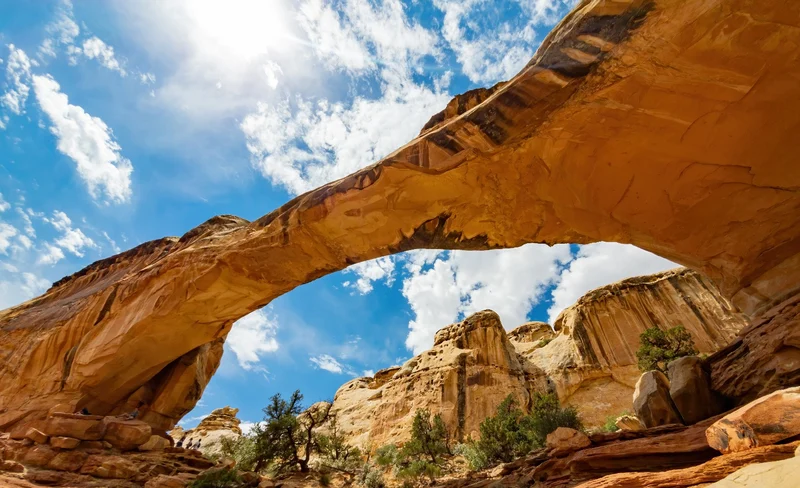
(220,423)
(668,124)
(591,360)
(690,390)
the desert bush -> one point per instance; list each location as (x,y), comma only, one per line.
(371,477)
(658,347)
(217,478)
(506,435)
(475,456)
(241,449)
(547,415)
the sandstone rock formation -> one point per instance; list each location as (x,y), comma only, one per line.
(220,423)
(668,124)
(652,403)
(591,360)
(470,370)
(765,421)
(475,364)
(690,390)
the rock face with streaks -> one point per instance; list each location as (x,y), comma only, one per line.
(668,124)
(220,423)
(475,364)
(471,368)
(591,360)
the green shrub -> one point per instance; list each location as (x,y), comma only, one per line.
(544,342)
(506,435)
(324,479)
(241,449)
(475,456)
(218,478)
(386,455)
(371,477)
(610,425)
(547,415)
(659,347)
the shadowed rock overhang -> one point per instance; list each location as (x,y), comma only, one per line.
(668,124)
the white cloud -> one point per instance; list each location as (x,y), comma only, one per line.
(95,48)
(50,254)
(4,205)
(304,145)
(271,71)
(61,32)
(18,73)
(7,232)
(16,287)
(370,271)
(600,264)
(147,78)
(113,243)
(368,372)
(248,426)
(443,288)
(88,141)
(26,218)
(25,241)
(490,44)
(251,337)
(328,363)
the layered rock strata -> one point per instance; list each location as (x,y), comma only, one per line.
(219,424)
(668,124)
(475,364)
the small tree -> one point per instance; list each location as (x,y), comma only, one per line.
(659,347)
(241,449)
(285,439)
(422,454)
(506,435)
(547,415)
(336,454)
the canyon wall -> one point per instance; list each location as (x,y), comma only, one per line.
(668,124)
(589,362)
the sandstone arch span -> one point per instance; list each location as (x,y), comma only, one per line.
(668,124)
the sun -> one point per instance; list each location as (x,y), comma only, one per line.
(241,28)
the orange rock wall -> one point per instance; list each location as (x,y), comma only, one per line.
(668,124)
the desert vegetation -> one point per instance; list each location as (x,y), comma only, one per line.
(659,347)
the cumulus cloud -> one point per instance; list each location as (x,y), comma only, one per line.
(328,363)
(62,31)
(88,141)
(16,287)
(7,232)
(381,269)
(599,264)
(271,71)
(18,74)
(4,205)
(251,337)
(95,48)
(50,254)
(444,287)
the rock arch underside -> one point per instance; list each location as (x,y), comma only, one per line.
(669,124)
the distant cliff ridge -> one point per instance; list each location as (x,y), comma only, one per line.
(589,360)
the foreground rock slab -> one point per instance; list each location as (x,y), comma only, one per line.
(765,421)
(771,474)
(690,390)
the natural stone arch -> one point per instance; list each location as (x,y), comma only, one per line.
(668,124)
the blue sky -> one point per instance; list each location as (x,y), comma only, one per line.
(122,122)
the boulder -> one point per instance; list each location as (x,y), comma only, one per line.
(93,445)
(690,390)
(38,455)
(155,443)
(10,466)
(83,427)
(68,461)
(36,436)
(564,439)
(65,442)
(116,467)
(629,423)
(770,419)
(164,481)
(652,402)
(126,434)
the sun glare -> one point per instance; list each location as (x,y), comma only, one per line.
(241,28)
